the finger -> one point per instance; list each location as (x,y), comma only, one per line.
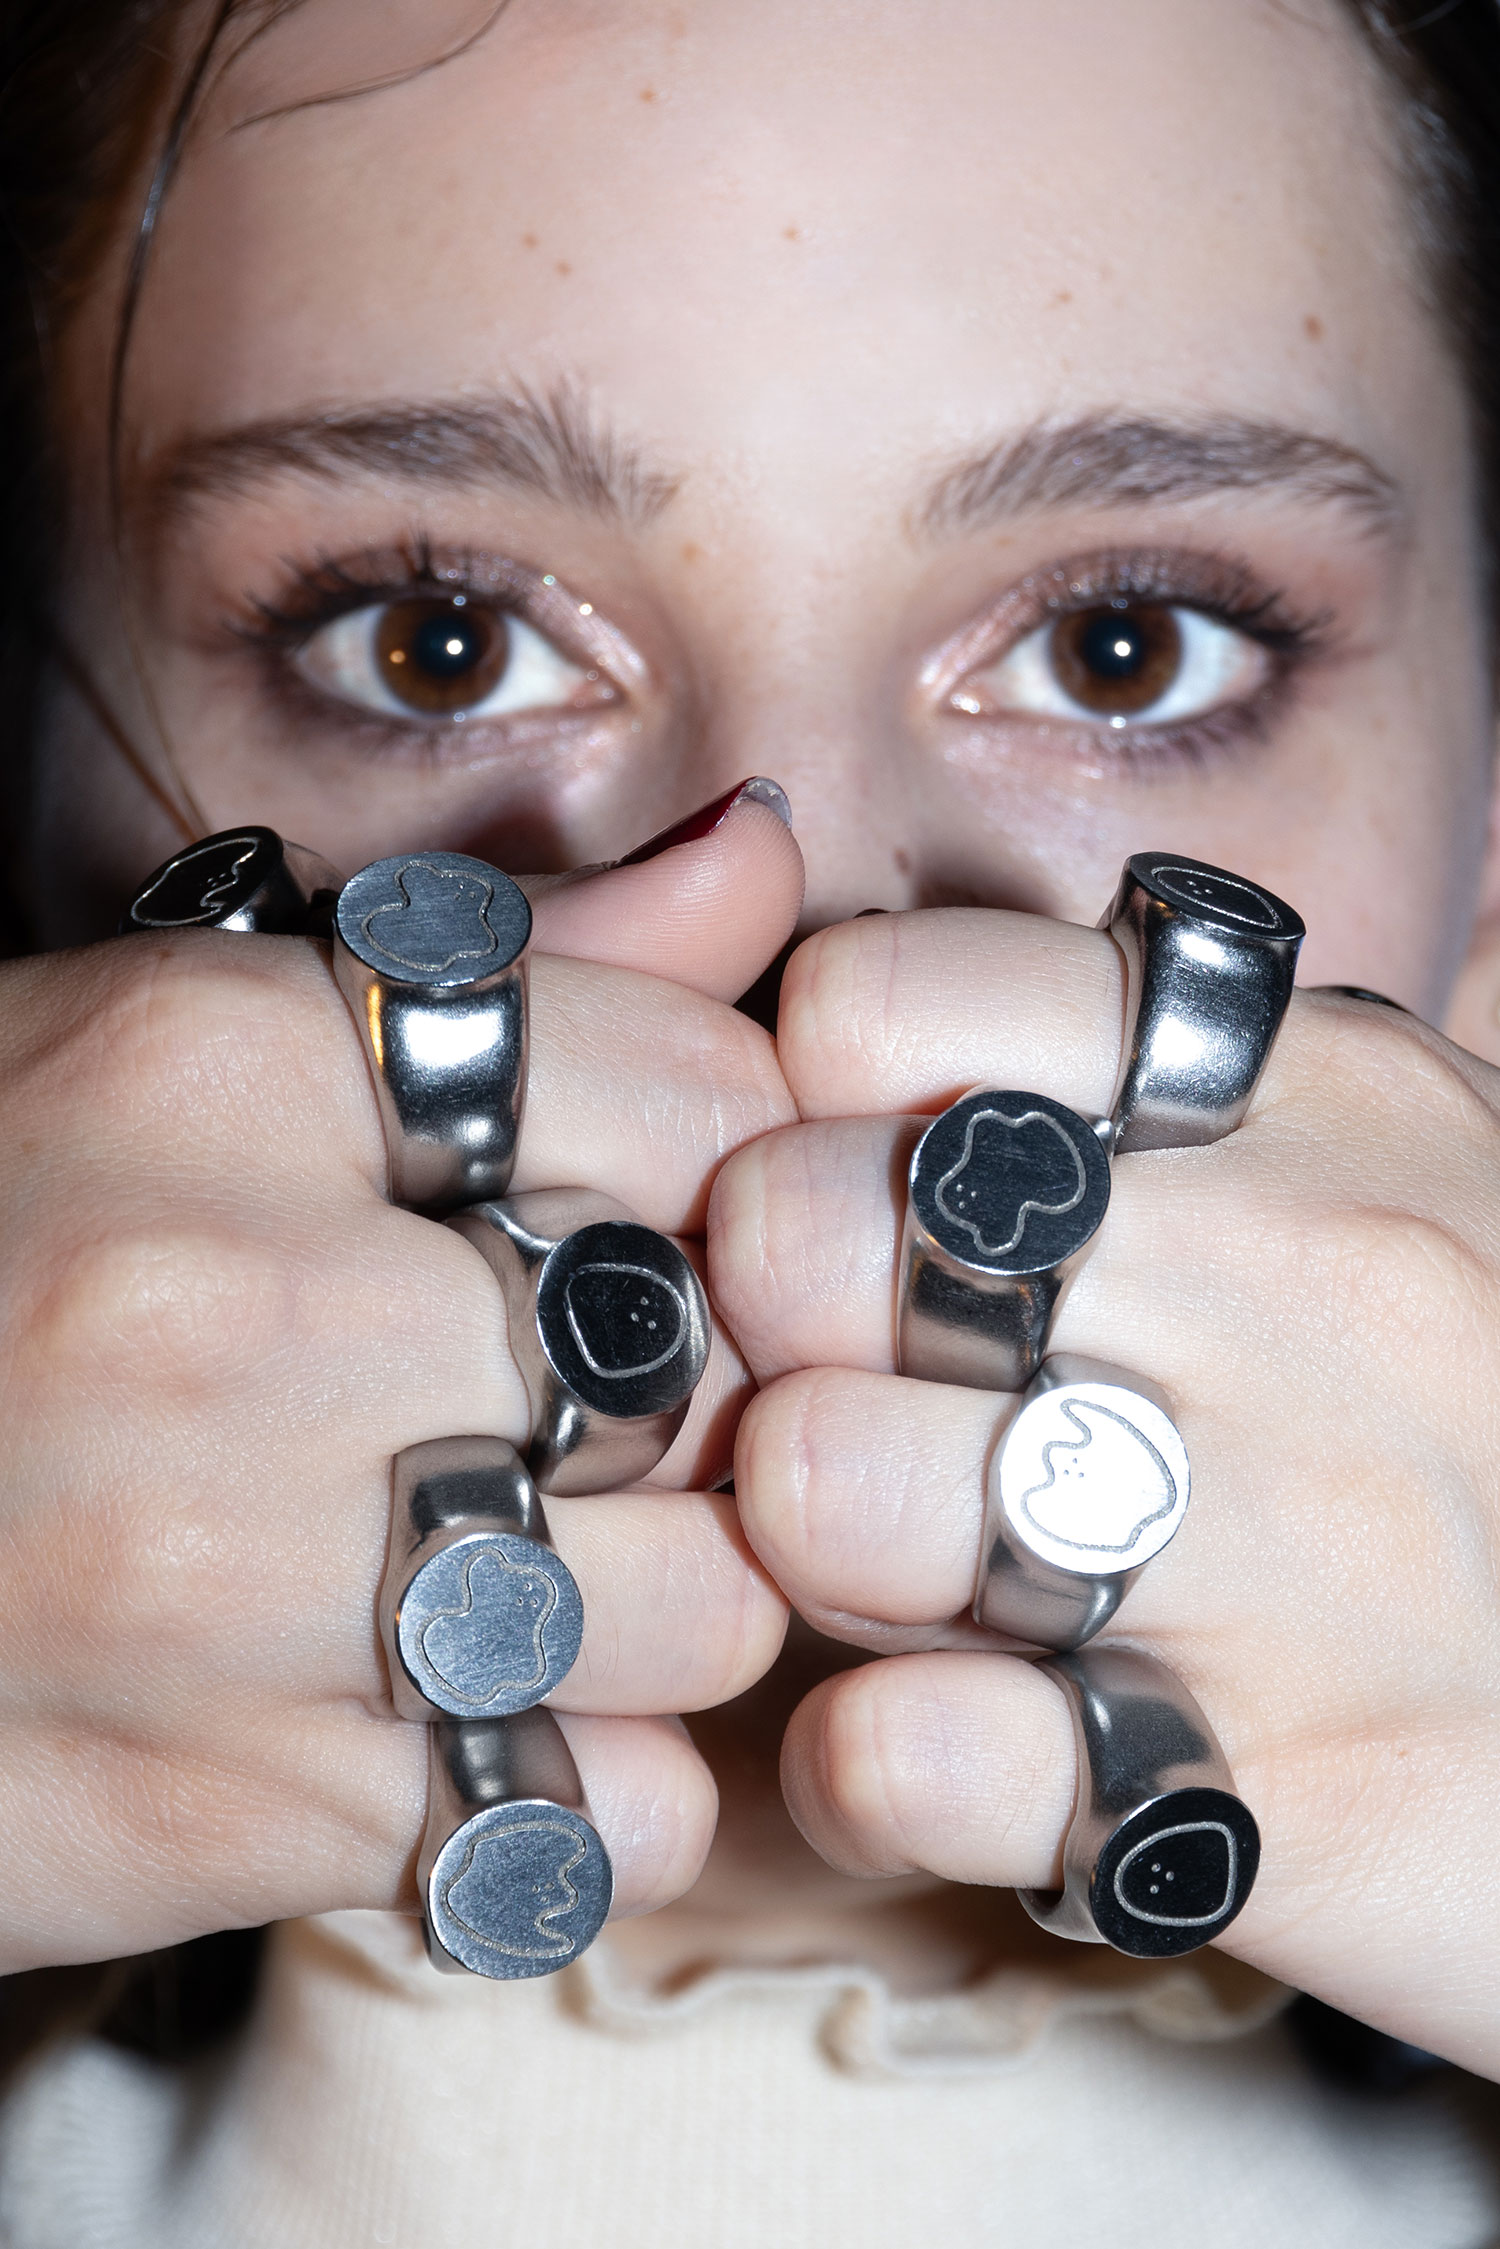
(907,1011)
(710,912)
(677,1613)
(814,1451)
(324,1810)
(961,1765)
(804,1226)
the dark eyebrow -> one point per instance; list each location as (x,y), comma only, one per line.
(1106,460)
(547,442)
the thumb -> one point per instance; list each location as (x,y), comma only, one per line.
(708,903)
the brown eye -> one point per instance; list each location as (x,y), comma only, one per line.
(1119,660)
(1121,663)
(445,658)
(439,657)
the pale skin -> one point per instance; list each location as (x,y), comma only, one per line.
(826,311)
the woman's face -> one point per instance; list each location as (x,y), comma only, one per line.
(1015,427)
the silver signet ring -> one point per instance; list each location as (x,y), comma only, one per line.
(1209,962)
(1161,1853)
(430,952)
(479,1616)
(245,880)
(1005,1194)
(513,1877)
(608,1324)
(1089,1480)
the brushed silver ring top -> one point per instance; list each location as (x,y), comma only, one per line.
(1210,960)
(244,880)
(514,1879)
(1161,1853)
(435,921)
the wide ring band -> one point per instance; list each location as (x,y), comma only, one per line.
(1087,1483)
(480,1617)
(514,1880)
(608,1324)
(1161,1853)
(430,952)
(1209,963)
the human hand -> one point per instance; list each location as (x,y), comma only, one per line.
(1319,1295)
(215,1334)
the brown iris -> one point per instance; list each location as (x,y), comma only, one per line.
(1117,661)
(441,656)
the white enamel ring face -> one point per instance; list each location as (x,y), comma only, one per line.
(1091,1477)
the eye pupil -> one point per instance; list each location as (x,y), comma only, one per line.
(441,656)
(1117,661)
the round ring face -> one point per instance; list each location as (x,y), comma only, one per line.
(520,1889)
(205,885)
(489,1625)
(622,1318)
(437,920)
(1092,1477)
(1010,1182)
(1228,902)
(1175,1873)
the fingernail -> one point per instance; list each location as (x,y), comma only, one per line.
(703,822)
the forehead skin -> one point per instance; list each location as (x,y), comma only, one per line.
(804,257)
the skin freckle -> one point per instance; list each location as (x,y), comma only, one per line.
(1312,328)
(1063,297)
(901,861)
(791,233)
(563,267)
(648,93)
(529,241)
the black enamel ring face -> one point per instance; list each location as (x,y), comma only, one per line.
(519,1890)
(435,920)
(1175,1873)
(1229,903)
(1010,1183)
(620,1315)
(244,880)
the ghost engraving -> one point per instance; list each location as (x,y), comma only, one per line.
(1225,895)
(1182,1878)
(493,1645)
(1107,1480)
(193,886)
(441,917)
(513,1887)
(1009,1169)
(625,1319)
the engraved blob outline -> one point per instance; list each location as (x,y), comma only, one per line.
(1070,1408)
(639,1272)
(219,885)
(1153,1843)
(1181,879)
(1044,1210)
(467,882)
(562,1944)
(498,1559)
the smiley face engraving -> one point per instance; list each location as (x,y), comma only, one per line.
(1103,1485)
(513,1889)
(198,884)
(492,1645)
(1183,1878)
(626,1320)
(439,918)
(1010,1169)
(1208,890)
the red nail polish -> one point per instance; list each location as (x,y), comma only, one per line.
(703,822)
